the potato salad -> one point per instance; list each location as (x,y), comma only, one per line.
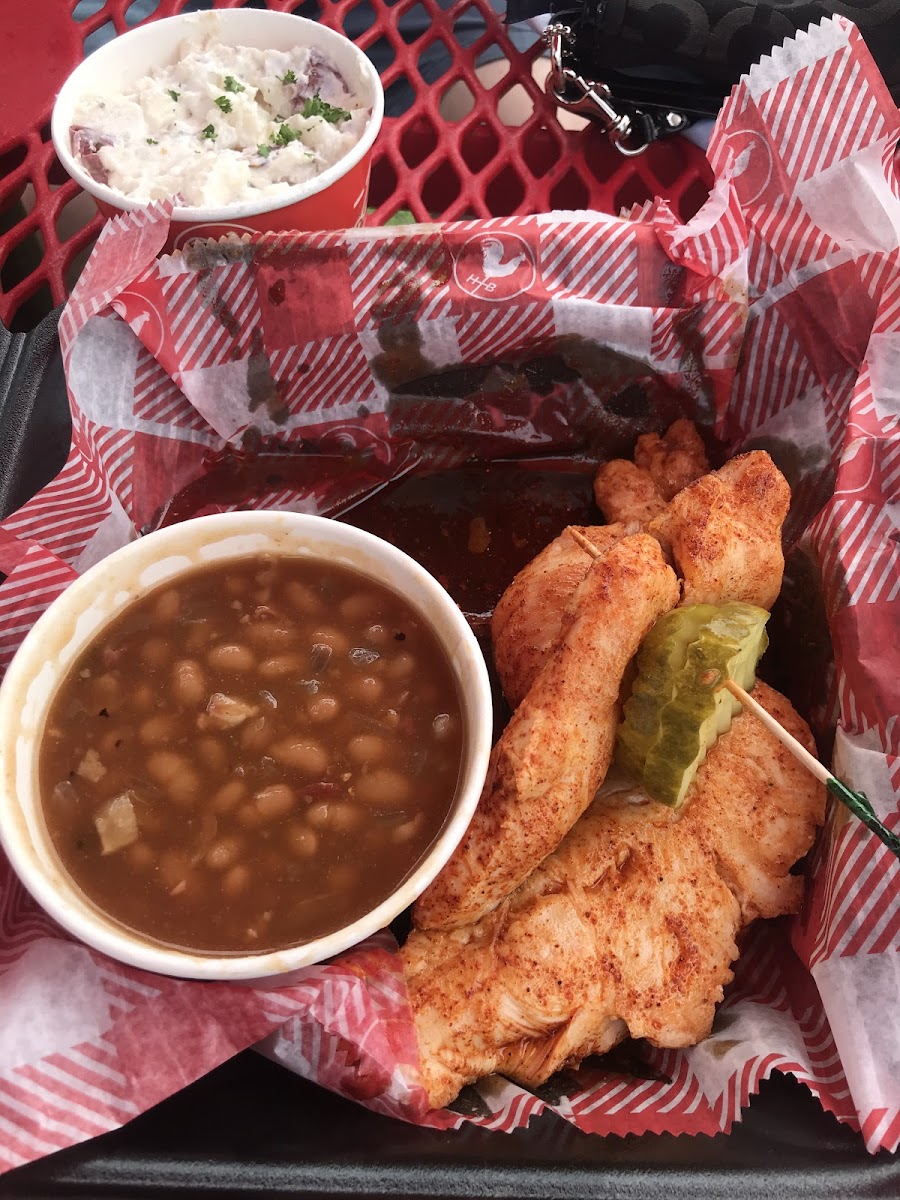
(222,125)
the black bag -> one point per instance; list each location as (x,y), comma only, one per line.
(647,68)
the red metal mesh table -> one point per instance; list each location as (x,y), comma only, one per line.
(449,155)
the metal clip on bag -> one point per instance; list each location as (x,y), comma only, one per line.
(649,68)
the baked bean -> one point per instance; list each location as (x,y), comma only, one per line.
(223,853)
(156,730)
(377,635)
(141,856)
(269,636)
(255,735)
(111,741)
(280,665)
(231,656)
(328,636)
(383,788)
(142,698)
(408,830)
(323,708)
(275,801)
(367,748)
(211,752)
(166,765)
(155,653)
(358,606)
(236,881)
(173,869)
(443,726)
(344,817)
(249,816)
(303,598)
(367,690)
(229,795)
(189,683)
(401,666)
(184,788)
(335,814)
(319,814)
(168,606)
(236,585)
(106,691)
(303,754)
(301,840)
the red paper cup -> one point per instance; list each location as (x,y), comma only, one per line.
(336,199)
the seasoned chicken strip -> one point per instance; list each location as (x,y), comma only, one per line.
(626,493)
(756,845)
(556,750)
(663,465)
(627,929)
(674,459)
(524,631)
(724,532)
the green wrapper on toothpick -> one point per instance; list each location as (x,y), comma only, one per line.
(857,802)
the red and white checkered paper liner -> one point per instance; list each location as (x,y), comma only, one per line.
(170,361)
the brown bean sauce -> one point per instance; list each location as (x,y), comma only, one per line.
(252,756)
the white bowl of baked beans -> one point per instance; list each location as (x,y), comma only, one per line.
(240,745)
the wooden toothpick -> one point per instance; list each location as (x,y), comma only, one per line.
(586,545)
(857,802)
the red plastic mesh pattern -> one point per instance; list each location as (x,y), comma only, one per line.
(437,167)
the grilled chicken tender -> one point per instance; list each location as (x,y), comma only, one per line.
(628,929)
(724,535)
(724,532)
(524,632)
(663,465)
(556,750)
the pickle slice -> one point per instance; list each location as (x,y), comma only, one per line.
(728,646)
(659,660)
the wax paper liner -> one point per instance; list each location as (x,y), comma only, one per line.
(318,367)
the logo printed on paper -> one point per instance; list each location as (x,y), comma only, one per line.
(752,163)
(144,318)
(495,266)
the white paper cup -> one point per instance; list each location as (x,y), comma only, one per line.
(336,199)
(95,599)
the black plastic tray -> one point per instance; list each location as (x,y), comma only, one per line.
(251,1127)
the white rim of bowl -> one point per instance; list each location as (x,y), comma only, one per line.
(241,209)
(113,939)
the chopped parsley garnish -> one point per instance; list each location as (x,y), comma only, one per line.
(176,96)
(232,85)
(315,106)
(224,103)
(263,149)
(209,132)
(288,77)
(285,136)
(152,142)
